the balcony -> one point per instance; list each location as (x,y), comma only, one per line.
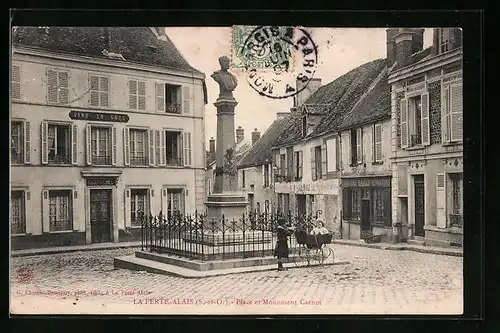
(174,161)
(173,108)
(142,160)
(456,220)
(101,160)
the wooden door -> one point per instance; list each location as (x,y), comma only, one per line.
(419,206)
(100,215)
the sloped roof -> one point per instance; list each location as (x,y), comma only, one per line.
(421,55)
(374,106)
(135,44)
(261,149)
(241,149)
(342,94)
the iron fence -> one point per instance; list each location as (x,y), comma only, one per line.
(194,236)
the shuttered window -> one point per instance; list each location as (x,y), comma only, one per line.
(331,151)
(20,142)
(99,90)
(101,145)
(59,143)
(60,210)
(139,205)
(298,164)
(57,86)
(16,82)
(137,94)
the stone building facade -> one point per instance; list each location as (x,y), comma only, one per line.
(106,124)
(427,139)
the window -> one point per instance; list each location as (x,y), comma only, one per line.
(283,169)
(57,86)
(175,202)
(173,148)
(331,150)
(355,204)
(99,91)
(16,142)
(456,209)
(377,143)
(444,40)
(298,165)
(101,145)
(266,174)
(59,144)
(137,94)
(452,113)
(139,205)
(414,122)
(16,83)
(17,212)
(171,98)
(318,161)
(243,178)
(138,147)
(381,198)
(60,208)
(357,146)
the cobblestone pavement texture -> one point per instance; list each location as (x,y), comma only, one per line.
(375,281)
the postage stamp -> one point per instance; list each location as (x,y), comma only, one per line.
(275,58)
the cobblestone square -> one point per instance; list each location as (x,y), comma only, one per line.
(375,282)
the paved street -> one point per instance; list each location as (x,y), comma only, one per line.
(375,281)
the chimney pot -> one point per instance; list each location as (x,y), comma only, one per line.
(404,46)
(240,134)
(255,136)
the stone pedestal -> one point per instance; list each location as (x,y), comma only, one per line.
(225,200)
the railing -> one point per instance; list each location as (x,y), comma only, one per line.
(173,108)
(101,160)
(415,140)
(59,159)
(174,161)
(456,220)
(139,160)
(195,237)
(282,178)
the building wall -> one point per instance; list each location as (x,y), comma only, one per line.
(254,184)
(33,177)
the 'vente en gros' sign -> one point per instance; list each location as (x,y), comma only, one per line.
(98,116)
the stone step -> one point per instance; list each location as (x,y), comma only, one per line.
(416,242)
(140,264)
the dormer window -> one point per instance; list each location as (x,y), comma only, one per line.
(444,40)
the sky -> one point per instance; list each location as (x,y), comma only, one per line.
(339,51)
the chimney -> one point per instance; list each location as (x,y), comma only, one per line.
(255,136)
(309,89)
(418,40)
(391,46)
(240,134)
(404,46)
(212,146)
(281,115)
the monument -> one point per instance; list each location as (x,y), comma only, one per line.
(225,200)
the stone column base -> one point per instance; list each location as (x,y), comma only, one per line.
(230,205)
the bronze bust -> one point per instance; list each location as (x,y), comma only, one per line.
(227,81)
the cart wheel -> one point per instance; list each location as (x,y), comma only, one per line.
(328,255)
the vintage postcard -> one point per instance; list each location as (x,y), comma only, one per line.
(256,170)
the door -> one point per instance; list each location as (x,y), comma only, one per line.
(419,206)
(301,204)
(100,215)
(365,223)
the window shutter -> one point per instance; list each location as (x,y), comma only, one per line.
(104,91)
(141,98)
(45,211)
(378,142)
(157,147)
(456,108)
(359,145)
(278,163)
(126,146)
(337,153)
(16,82)
(294,173)
(164,202)
(74,144)
(374,153)
(88,137)
(132,94)
(445,114)
(94,90)
(441,200)
(62,87)
(163,155)
(27,142)
(323,161)
(113,145)
(190,155)
(152,150)
(160,97)
(184,142)
(301,163)
(45,148)
(264,166)
(426,136)
(313,164)
(404,123)
(186,100)
(51,86)
(152,208)
(128,212)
